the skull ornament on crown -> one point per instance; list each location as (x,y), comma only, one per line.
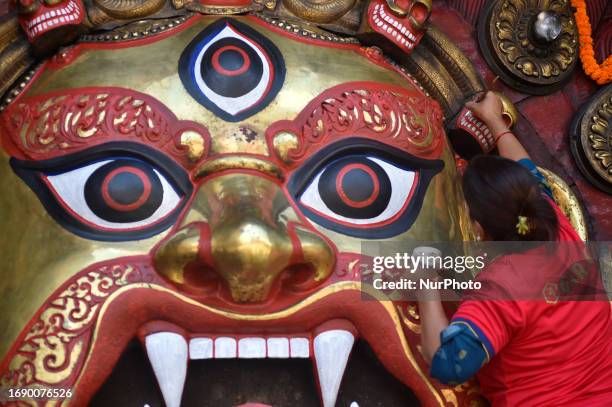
(185,195)
(402,22)
(39,17)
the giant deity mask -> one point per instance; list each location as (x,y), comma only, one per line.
(206,190)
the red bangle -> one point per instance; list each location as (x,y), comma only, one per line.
(502,134)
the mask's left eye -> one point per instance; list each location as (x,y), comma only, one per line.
(110,197)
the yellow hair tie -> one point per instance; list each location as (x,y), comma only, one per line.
(522,227)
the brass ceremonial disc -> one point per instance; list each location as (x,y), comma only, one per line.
(532,45)
(591,139)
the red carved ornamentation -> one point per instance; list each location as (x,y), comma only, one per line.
(53,347)
(405,119)
(60,123)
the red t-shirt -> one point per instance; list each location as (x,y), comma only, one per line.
(542,353)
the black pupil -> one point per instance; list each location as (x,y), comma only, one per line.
(125,188)
(221,82)
(231,60)
(358,185)
(116,192)
(359,197)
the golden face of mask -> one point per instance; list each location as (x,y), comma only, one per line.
(239,172)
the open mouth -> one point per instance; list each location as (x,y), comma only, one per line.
(93,321)
(57,17)
(273,381)
(175,352)
(392,28)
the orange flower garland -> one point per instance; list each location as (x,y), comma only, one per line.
(601,74)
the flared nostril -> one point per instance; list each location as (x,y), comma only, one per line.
(245,237)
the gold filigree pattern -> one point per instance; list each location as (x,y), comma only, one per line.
(319,11)
(591,139)
(512,26)
(410,317)
(600,137)
(51,125)
(57,339)
(125,9)
(408,121)
(531,44)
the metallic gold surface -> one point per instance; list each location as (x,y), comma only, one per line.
(443,70)
(250,242)
(38,255)
(596,135)
(319,11)
(567,201)
(55,343)
(317,253)
(461,69)
(194,143)
(283,142)
(175,253)
(240,139)
(137,29)
(127,9)
(508,109)
(249,215)
(510,29)
(15,60)
(318,66)
(243,162)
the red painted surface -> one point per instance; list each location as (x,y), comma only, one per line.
(545,135)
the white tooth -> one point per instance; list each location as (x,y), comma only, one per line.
(225,348)
(168,355)
(52,13)
(354,404)
(385,26)
(278,348)
(403,30)
(300,347)
(331,351)
(252,348)
(379,23)
(201,348)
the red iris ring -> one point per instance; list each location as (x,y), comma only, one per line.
(112,203)
(342,194)
(235,72)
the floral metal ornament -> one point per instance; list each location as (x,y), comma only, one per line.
(591,139)
(531,45)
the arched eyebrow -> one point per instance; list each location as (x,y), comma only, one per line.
(405,119)
(64,122)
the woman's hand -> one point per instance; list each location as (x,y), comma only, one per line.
(489,109)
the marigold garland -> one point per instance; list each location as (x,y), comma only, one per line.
(601,74)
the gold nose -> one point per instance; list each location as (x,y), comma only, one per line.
(243,228)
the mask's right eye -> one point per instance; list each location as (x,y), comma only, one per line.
(119,197)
